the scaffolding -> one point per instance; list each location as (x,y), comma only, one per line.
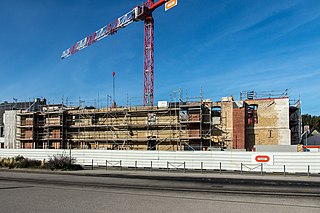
(180,125)
(184,123)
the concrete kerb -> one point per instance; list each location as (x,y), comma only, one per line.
(233,179)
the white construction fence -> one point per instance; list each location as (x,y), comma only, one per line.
(289,162)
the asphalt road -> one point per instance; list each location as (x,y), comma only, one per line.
(28,192)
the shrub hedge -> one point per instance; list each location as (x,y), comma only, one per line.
(62,162)
(20,162)
(57,162)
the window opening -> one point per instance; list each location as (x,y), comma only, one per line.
(252,114)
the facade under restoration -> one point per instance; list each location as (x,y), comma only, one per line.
(190,125)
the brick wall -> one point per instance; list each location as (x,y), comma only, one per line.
(239,128)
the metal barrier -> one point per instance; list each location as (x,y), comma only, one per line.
(251,168)
(176,165)
(114,164)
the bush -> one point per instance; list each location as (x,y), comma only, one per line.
(19,162)
(6,162)
(28,163)
(62,162)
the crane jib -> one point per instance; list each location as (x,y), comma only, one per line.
(139,13)
(103,32)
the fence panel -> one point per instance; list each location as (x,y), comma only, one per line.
(293,162)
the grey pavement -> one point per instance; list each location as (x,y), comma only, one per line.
(199,175)
(99,190)
(179,173)
(173,175)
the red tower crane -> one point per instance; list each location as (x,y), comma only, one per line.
(139,13)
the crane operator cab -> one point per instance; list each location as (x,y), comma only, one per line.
(141,13)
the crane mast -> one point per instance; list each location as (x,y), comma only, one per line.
(139,13)
(149,58)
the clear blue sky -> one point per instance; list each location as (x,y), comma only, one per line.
(222,46)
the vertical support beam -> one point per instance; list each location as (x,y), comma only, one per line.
(148,60)
(201,167)
(70,156)
(114,104)
(92,164)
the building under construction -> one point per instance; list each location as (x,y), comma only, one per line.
(183,125)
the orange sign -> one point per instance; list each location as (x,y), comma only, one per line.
(170,4)
(262,158)
(265,158)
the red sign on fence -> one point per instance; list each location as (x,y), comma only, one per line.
(262,158)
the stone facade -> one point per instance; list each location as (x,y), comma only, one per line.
(247,123)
